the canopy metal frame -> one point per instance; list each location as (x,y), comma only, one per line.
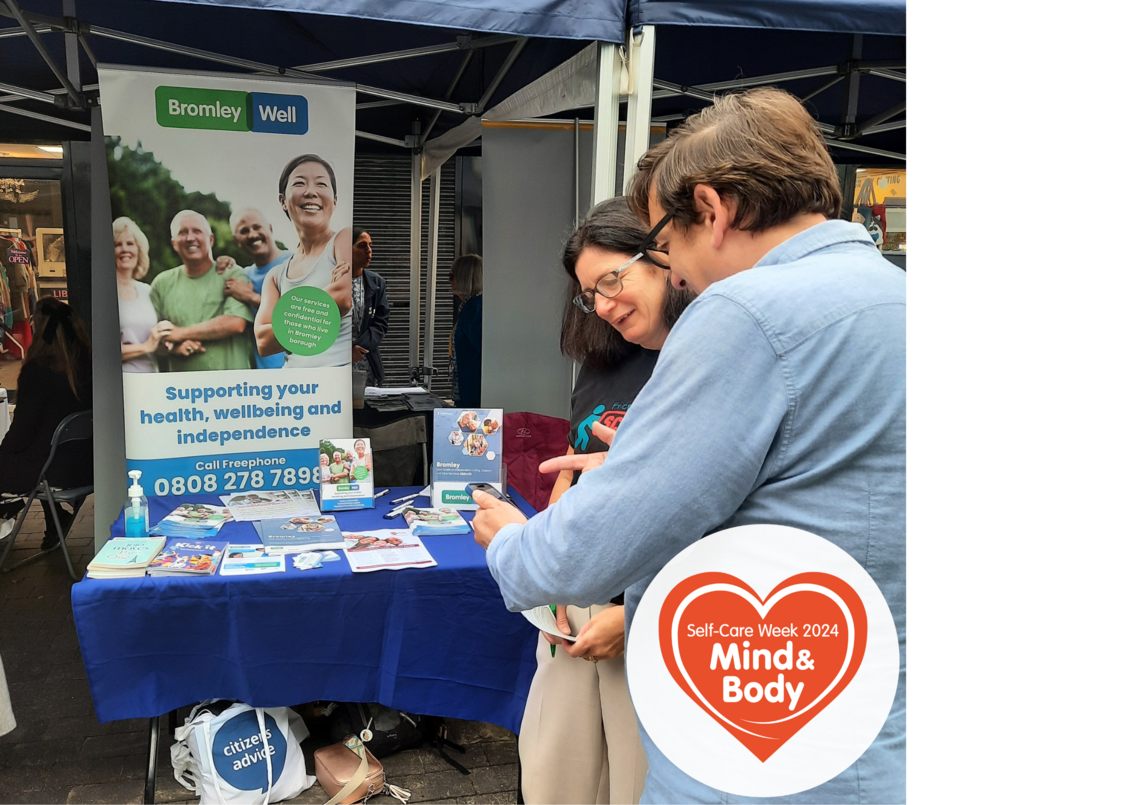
(637,56)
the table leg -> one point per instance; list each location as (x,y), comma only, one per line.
(152,765)
(442,741)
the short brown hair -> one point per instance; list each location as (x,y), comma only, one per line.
(466,274)
(759,148)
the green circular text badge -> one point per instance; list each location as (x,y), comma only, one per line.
(306,321)
(360,473)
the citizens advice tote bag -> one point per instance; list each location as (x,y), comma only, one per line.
(240,756)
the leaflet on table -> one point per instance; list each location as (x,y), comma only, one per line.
(385,550)
(192,521)
(467,449)
(301,533)
(251,560)
(187,558)
(544,619)
(346,474)
(392,391)
(435,522)
(250,506)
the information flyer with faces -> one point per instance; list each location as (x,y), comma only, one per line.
(468,449)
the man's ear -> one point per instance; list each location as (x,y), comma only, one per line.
(717,212)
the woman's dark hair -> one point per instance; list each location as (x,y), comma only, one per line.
(356,233)
(61,342)
(296,162)
(611,226)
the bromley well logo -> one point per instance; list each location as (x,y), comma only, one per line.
(772,678)
(228,110)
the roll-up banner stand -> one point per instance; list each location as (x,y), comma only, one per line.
(232,200)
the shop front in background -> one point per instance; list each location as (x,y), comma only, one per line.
(880,206)
(32,262)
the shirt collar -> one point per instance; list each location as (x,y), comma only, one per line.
(818,237)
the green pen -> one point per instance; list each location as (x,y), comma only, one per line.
(553,648)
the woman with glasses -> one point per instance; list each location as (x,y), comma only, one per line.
(578,741)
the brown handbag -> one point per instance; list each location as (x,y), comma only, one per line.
(349,773)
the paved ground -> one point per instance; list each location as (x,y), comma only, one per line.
(59,753)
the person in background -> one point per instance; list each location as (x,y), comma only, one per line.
(138,323)
(579,741)
(789,372)
(254,235)
(466,337)
(370,310)
(203,328)
(54,383)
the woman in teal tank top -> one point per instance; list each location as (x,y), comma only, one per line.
(323,259)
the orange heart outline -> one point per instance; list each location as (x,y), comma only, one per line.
(763,746)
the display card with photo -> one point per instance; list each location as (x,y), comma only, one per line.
(345,474)
(467,449)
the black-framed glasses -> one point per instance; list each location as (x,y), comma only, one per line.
(653,253)
(608,286)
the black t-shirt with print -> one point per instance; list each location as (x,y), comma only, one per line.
(605,396)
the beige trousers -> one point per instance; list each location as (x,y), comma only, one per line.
(579,741)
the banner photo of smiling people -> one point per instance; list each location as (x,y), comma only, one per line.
(232,205)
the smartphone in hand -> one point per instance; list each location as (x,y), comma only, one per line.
(490,490)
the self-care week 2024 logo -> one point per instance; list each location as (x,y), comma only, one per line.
(229,110)
(763,660)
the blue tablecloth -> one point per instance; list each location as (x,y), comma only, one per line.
(433,641)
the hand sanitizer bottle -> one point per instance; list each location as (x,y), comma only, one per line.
(137,514)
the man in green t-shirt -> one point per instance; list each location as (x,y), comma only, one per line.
(203,328)
(337,472)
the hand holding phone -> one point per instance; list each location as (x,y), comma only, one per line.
(490,490)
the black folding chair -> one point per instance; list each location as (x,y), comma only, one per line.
(75,428)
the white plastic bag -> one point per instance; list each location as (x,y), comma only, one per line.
(230,758)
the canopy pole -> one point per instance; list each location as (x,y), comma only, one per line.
(59,121)
(33,35)
(848,125)
(416,254)
(605,116)
(432,273)
(638,115)
(71,45)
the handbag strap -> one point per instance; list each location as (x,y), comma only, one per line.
(265,749)
(357,777)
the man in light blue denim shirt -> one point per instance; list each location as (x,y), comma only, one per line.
(779,397)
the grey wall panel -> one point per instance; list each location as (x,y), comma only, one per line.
(106,355)
(528,213)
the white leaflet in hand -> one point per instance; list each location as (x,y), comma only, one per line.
(544,619)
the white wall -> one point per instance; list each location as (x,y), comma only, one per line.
(527,216)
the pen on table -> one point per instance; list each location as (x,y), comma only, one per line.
(553,648)
(397,511)
(406,498)
(381,493)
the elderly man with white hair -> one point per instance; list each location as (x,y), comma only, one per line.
(207,328)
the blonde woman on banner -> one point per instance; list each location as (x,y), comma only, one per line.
(323,259)
(138,323)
